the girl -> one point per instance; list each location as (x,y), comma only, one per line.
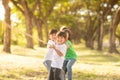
(70,57)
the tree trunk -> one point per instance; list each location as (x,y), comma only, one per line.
(114,23)
(47,33)
(106,11)
(90,35)
(28,31)
(28,23)
(7,34)
(100,36)
(89,43)
(39,24)
(37,19)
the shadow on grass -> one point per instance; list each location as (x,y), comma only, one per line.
(37,53)
(29,74)
(24,74)
(99,58)
(89,76)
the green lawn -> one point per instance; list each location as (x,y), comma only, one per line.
(26,64)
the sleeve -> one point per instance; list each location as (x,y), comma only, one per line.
(63,50)
(68,43)
(50,42)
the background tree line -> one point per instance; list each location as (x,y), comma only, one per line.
(91,22)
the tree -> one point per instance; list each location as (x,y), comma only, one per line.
(36,11)
(7,33)
(41,17)
(105,10)
(114,23)
(118,33)
(27,14)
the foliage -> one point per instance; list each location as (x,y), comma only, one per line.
(18,27)
(118,30)
(82,17)
(1,31)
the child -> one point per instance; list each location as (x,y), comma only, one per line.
(70,57)
(49,54)
(58,56)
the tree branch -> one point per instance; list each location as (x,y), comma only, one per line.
(35,5)
(50,9)
(40,10)
(16,4)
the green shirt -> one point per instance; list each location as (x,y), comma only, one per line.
(70,54)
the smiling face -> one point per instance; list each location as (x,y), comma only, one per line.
(53,37)
(60,40)
(61,37)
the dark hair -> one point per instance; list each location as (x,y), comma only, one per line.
(61,34)
(53,31)
(69,33)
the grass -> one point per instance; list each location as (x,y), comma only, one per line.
(26,64)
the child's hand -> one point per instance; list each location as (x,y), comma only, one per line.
(48,45)
(67,45)
(52,46)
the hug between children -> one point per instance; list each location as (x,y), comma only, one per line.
(60,55)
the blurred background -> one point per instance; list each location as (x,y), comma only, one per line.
(92,22)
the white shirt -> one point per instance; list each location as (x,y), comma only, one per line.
(49,53)
(57,61)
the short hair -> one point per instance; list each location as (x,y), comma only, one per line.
(53,31)
(61,34)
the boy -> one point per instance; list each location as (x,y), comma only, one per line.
(49,53)
(58,56)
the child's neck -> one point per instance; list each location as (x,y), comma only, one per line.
(60,43)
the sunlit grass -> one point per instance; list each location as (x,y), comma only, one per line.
(27,64)
(36,52)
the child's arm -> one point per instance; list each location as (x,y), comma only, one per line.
(57,51)
(67,45)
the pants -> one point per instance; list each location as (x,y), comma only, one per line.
(47,64)
(67,67)
(54,74)
(62,75)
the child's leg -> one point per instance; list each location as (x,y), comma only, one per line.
(57,74)
(47,64)
(62,75)
(65,68)
(51,74)
(69,68)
